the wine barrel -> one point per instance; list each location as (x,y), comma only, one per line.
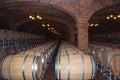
(2,54)
(16,35)
(21,67)
(33,52)
(21,53)
(49,54)
(2,34)
(22,35)
(90,50)
(71,52)
(97,53)
(115,64)
(43,55)
(75,67)
(8,35)
(10,51)
(105,57)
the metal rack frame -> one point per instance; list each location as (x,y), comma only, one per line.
(107,72)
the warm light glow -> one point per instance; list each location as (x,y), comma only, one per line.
(115,17)
(40,18)
(43,25)
(37,16)
(48,25)
(108,17)
(118,16)
(30,16)
(48,28)
(52,28)
(33,18)
(111,15)
(91,24)
(96,24)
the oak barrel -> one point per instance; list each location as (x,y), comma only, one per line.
(43,55)
(2,34)
(106,56)
(21,67)
(97,53)
(75,67)
(115,64)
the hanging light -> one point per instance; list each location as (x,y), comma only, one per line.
(111,15)
(108,17)
(118,15)
(114,17)
(91,24)
(40,18)
(96,24)
(48,28)
(48,25)
(43,25)
(30,16)
(33,18)
(52,28)
(37,16)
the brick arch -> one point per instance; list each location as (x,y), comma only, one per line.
(66,8)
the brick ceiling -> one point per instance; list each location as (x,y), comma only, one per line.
(105,26)
(15,17)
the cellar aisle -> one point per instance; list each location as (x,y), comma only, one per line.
(50,74)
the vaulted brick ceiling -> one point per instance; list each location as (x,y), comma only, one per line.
(105,26)
(15,17)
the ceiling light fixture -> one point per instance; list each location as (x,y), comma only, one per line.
(43,25)
(36,17)
(48,25)
(96,24)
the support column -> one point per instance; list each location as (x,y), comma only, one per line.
(82,36)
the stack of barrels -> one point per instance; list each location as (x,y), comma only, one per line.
(71,64)
(107,57)
(29,64)
(111,38)
(12,42)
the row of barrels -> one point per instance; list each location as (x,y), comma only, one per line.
(16,35)
(72,64)
(29,64)
(107,57)
(109,38)
(109,35)
(12,42)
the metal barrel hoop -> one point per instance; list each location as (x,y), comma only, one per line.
(36,62)
(94,67)
(108,57)
(83,67)
(23,67)
(68,66)
(1,63)
(57,67)
(42,57)
(33,67)
(9,66)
